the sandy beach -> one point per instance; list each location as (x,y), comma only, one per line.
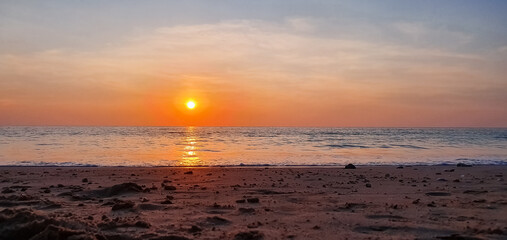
(369,202)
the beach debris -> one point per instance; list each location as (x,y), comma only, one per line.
(350,166)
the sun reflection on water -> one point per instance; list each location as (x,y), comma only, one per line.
(189,156)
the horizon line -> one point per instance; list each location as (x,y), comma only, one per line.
(256,126)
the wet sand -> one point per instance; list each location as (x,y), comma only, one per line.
(370,202)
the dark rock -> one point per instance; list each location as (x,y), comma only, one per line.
(120,205)
(170,188)
(194,229)
(7,190)
(246,210)
(150,207)
(252,200)
(217,220)
(457,237)
(117,190)
(170,237)
(240,201)
(350,166)
(463,165)
(142,224)
(84,180)
(251,235)
(189,172)
(438,194)
(475,192)
(368,185)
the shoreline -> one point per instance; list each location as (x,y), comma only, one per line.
(501,163)
(266,202)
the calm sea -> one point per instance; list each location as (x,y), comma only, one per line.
(232,146)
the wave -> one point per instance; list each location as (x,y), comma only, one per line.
(343,146)
(408,146)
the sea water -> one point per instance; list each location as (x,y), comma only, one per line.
(244,146)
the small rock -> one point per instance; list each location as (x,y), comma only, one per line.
(252,200)
(463,165)
(350,166)
(189,172)
(170,188)
(368,185)
(251,235)
(84,180)
(194,229)
(7,190)
(246,210)
(122,205)
(142,224)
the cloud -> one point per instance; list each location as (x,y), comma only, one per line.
(436,35)
(270,64)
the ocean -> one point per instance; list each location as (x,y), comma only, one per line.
(249,146)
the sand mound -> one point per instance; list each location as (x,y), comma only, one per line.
(26,224)
(116,190)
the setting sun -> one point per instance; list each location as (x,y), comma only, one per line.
(191,104)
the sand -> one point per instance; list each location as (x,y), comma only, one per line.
(369,202)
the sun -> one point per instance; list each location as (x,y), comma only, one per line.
(191,104)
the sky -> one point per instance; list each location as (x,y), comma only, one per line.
(254,63)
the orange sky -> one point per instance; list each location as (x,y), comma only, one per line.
(296,70)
